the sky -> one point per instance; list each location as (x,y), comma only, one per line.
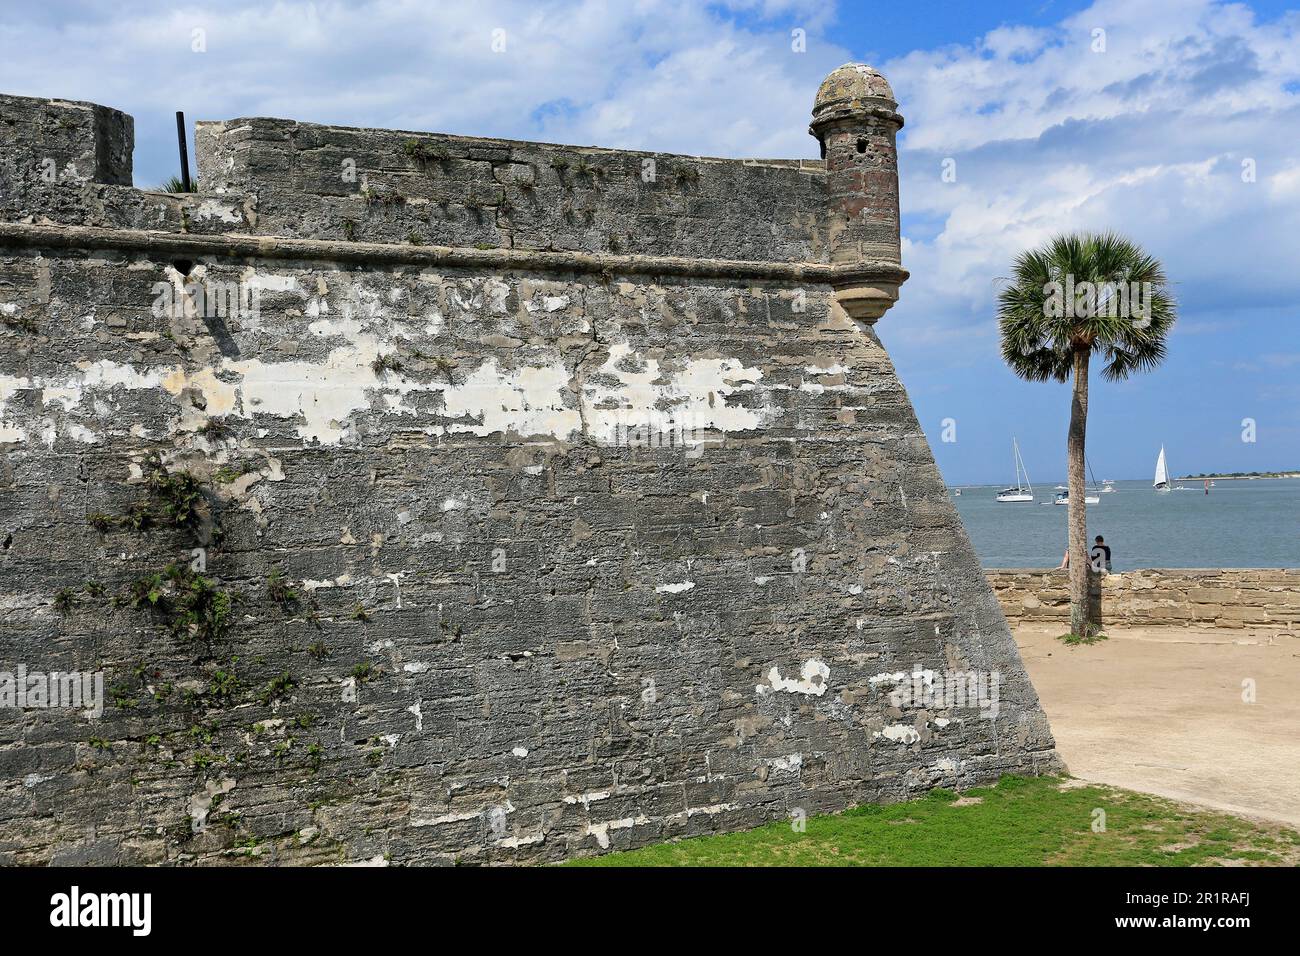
(1176,122)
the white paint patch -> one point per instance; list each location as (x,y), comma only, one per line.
(444,818)
(323,395)
(587,799)
(674,588)
(900,733)
(601,830)
(813,679)
(342,581)
(790,763)
(211,209)
(201,803)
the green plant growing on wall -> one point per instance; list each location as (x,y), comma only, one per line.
(415,238)
(202,761)
(203,735)
(201,610)
(100,521)
(122,698)
(146,591)
(214,429)
(64,599)
(228,473)
(388,362)
(359,613)
(280,591)
(224,686)
(318,651)
(349,230)
(424,153)
(179,495)
(446,367)
(279,688)
(686,176)
(381,197)
(138,517)
(363,672)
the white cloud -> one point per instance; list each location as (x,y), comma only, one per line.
(1148,138)
(677,75)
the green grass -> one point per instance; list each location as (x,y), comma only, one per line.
(1019,822)
(1074,639)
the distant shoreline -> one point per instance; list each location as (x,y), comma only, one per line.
(1263,476)
(1251,477)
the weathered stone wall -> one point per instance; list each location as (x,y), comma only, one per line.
(1198,597)
(477,610)
(303,179)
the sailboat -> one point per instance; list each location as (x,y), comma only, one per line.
(1162,472)
(1020,492)
(1063,497)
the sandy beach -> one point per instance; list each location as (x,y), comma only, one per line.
(1161,710)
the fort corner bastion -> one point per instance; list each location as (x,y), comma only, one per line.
(430,499)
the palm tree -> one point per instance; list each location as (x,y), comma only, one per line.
(1079,294)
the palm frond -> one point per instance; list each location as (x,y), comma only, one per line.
(1096,291)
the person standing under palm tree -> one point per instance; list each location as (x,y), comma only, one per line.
(1078,294)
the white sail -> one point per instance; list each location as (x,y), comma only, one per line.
(1162,472)
(1021,492)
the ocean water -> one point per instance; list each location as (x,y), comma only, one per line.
(1239,524)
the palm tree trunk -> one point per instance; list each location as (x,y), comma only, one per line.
(1079,571)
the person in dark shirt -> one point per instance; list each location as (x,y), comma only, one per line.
(1100,554)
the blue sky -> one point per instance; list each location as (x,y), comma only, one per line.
(1146,136)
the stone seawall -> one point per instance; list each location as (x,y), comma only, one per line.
(1177,597)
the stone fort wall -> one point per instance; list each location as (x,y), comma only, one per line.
(431,499)
(1261,598)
